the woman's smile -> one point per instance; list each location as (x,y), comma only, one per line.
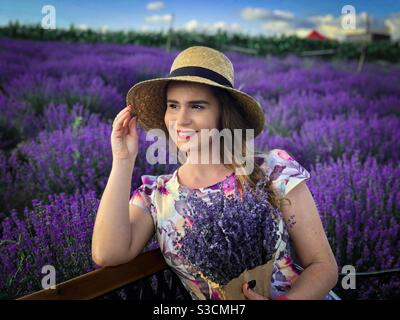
(185,134)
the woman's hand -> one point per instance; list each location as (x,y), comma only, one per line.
(124,136)
(250,294)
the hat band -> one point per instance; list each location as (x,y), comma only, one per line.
(203,73)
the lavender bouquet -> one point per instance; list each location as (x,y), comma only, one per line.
(232,239)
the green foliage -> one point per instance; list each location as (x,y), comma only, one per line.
(257,45)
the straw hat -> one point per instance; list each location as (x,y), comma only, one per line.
(197,64)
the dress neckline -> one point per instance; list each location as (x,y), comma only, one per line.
(213,186)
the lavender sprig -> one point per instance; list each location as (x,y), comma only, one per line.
(230,234)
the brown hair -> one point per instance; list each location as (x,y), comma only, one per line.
(232,116)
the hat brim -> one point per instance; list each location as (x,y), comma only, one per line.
(148,102)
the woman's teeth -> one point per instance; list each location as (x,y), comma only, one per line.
(186,135)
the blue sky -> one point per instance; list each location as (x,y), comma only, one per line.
(267,17)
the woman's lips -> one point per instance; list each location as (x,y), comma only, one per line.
(185,134)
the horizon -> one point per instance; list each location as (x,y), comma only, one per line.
(251,18)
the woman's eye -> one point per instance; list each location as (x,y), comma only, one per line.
(196,106)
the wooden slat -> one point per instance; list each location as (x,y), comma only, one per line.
(103,280)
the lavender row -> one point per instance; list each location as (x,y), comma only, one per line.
(57,102)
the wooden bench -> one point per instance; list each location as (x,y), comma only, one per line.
(135,279)
(103,282)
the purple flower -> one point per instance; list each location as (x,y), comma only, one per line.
(55,122)
(57,233)
(230,234)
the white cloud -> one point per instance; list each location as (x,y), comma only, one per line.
(218,25)
(277,27)
(191,25)
(236,26)
(159,18)
(82,27)
(104,29)
(283,14)
(155,5)
(283,28)
(253,13)
(279,22)
(221,25)
(302,32)
(195,25)
(144,28)
(327,19)
(393,24)
(274,22)
(328,25)
(250,13)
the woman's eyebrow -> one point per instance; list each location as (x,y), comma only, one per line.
(191,102)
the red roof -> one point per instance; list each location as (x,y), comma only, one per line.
(314,34)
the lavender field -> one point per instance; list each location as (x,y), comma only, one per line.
(57,103)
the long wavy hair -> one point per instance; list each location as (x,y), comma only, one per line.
(232,116)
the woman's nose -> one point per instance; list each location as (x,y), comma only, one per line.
(183,117)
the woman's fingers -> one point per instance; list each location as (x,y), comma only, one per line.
(124,112)
(121,114)
(250,294)
(132,125)
(118,122)
(133,122)
(122,120)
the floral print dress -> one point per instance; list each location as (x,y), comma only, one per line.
(164,199)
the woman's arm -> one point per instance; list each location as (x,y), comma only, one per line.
(320,272)
(112,229)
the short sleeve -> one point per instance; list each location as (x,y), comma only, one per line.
(142,195)
(284,171)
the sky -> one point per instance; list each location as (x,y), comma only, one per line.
(252,17)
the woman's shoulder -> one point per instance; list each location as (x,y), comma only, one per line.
(282,169)
(150,182)
(143,194)
(269,159)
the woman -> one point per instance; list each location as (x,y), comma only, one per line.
(197,96)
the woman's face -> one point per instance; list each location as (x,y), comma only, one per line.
(190,107)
